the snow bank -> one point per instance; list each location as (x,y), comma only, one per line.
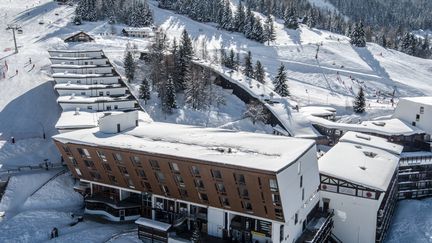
(58,193)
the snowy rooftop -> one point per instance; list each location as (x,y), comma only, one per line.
(250,150)
(71,66)
(86,99)
(427,100)
(320,111)
(72,120)
(372,141)
(153,224)
(75,51)
(76,58)
(69,86)
(390,127)
(363,165)
(140,29)
(89,75)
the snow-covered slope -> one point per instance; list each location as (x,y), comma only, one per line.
(331,79)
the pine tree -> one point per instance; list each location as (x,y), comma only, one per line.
(280,82)
(259,72)
(257,31)
(248,69)
(360,102)
(185,58)
(290,18)
(239,19)
(358,37)
(196,93)
(311,21)
(87,10)
(227,18)
(144,92)
(169,97)
(256,112)
(129,65)
(269,31)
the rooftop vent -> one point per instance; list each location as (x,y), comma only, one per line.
(378,123)
(370,154)
(72,96)
(77,111)
(358,146)
(363,137)
(362,167)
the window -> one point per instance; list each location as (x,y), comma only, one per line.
(183,193)
(101,155)
(216,174)
(146,185)
(179,180)
(108,107)
(154,164)
(203,197)
(165,190)
(108,93)
(73,161)
(95,175)
(276,199)
(83,93)
(243,192)
(135,161)
(141,174)
(160,176)
(421,110)
(66,149)
(220,188)
(78,171)
(413,123)
(113,179)
(417,117)
(89,107)
(107,167)
(100,93)
(78,81)
(199,184)
(130,183)
(301,181)
(296,218)
(303,194)
(195,171)
(299,168)
(123,170)
(117,157)
(174,167)
(273,185)
(278,213)
(281,233)
(115,107)
(84,153)
(247,206)
(224,201)
(89,163)
(240,179)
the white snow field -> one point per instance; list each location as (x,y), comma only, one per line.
(28,104)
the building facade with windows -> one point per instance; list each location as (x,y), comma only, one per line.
(417,111)
(240,186)
(360,183)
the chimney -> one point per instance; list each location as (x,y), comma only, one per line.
(77,111)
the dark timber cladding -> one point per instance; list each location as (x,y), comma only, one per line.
(239,189)
(79,37)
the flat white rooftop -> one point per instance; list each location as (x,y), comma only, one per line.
(74,51)
(69,86)
(372,141)
(90,75)
(87,99)
(427,100)
(72,66)
(363,165)
(226,147)
(390,127)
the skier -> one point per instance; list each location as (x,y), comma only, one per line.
(16,72)
(30,60)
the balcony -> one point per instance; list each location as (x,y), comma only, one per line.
(318,229)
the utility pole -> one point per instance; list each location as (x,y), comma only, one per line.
(14,27)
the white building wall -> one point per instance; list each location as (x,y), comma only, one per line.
(291,193)
(92,92)
(108,124)
(99,61)
(93,70)
(407,110)
(96,54)
(215,221)
(124,105)
(99,80)
(354,217)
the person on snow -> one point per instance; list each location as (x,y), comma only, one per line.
(30,60)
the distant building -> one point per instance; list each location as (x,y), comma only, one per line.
(142,32)
(359,181)
(238,186)
(417,111)
(79,37)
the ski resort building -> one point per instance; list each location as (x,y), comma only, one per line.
(417,111)
(79,37)
(359,181)
(174,179)
(142,32)
(87,84)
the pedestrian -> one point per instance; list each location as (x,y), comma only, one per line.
(12,140)
(55,232)
(16,72)
(30,60)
